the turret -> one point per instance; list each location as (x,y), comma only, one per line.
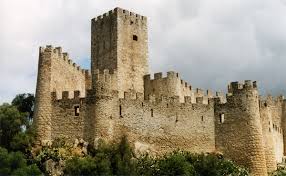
(43,108)
(238,127)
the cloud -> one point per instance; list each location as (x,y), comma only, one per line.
(210,42)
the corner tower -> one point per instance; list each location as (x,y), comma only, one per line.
(119,41)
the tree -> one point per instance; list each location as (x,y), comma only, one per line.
(14,163)
(11,121)
(24,103)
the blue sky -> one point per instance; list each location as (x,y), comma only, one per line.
(209,42)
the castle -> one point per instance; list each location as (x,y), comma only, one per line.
(158,114)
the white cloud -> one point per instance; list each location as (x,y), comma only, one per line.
(210,42)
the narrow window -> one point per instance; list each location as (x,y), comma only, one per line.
(142,104)
(135,38)
(167,105)
(269,129)
(151,112)
(76,110)
(120,111)
(202,118)
(221,118)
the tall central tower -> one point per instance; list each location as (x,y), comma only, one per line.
(119,41)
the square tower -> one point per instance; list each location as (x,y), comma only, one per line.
(119,41)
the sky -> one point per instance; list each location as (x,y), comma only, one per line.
(209,42)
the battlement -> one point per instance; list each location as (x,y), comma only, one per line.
(170,75)
(56,53)
(67,95)
(105,75)
(271,101)
(119,11)
(234,87)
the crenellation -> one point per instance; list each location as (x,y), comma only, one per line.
(66,56)
(199,100)
(76,94)
(171,74)
(158,75)
(65,95)
(210,93)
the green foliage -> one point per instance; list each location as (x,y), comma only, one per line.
(11,121)
(107,160)
(14,163)
(119,159)
(23,141)
(24,103)
(281,171)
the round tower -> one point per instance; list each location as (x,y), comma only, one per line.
(104,105)
(238,127)
(43,107)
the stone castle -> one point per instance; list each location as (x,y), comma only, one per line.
(158,114)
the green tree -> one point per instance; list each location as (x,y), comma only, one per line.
(11,121)
(14,163)
(24,103)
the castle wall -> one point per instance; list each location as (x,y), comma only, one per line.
(66,75)
(173,85)
(165,125)
(239,129)
(168,86)
(56,73)
(156,126)
(65,122)
(271,116)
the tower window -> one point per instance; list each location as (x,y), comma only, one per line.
(120,111)
(76,110)
(152,113)
(221,118)
(135,38)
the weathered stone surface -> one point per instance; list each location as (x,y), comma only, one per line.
(158,114)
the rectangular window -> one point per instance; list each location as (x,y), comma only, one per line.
(76,110)
(135,38)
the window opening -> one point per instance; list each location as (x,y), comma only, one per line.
(76,110)
(135,38)
(221,118)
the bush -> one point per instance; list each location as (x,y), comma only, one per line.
(118,159)
(113,159)
(14,163)
(281,171)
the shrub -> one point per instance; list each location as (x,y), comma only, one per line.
(14,163)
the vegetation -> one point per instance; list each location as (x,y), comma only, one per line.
(118,159)
(14,163)
(281,171)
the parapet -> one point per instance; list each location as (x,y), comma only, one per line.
(234,87)
(119,11)
(66,95)
(56,53)
(271,101)
(105,75)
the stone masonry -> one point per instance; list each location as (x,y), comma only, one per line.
(157,113)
